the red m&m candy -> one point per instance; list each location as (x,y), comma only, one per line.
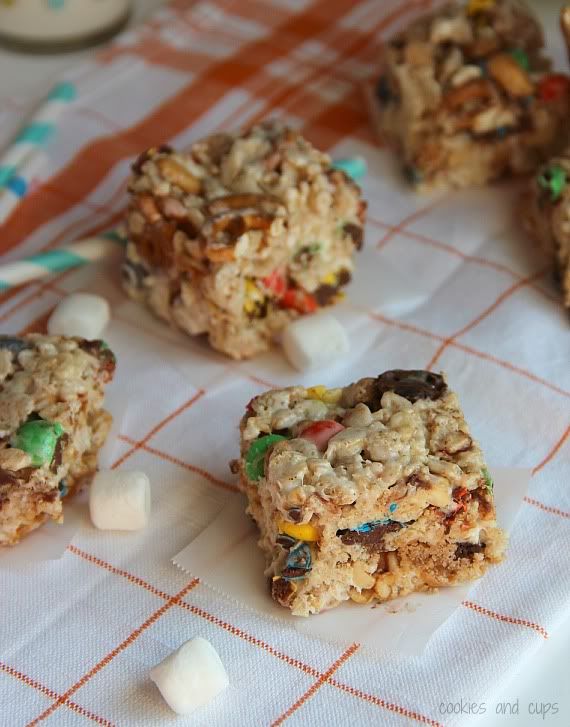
(553,87)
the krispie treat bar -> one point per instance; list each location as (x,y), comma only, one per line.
(240,234)
(466,97)
(367,492)
(52,425)
(545,211)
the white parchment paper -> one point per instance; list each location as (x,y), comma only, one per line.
(225,556)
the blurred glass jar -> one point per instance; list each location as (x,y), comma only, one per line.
(58,25)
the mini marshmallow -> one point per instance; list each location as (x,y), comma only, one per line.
(119,500)
(314,341)
(80,314)
(191,676)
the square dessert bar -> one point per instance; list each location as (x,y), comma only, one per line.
(465,95)
(545,211)
(367,492)
(52,425)
(240,234)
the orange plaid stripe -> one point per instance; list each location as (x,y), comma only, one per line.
(553,451)
(140,444)
(317,685)
(131,638)
(73,706)
(485,314)
(390,706)
(393,231)
(92,163)
(321,677)
(180,463)
(506,619)
(316,123)
(255,641)
(445,247)
(546,508)
(37,287)
(410,328)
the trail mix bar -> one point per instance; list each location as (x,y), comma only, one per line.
(240,234)
(367,492)
(52,425)
(466,96)
(545,211)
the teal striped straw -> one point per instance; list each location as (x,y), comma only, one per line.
(45,263)
(24,156)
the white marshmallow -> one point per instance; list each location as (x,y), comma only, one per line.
(80,314)
(314,341)
(191,676)
(119,500)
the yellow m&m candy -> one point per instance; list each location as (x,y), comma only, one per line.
(479,6)
(306,532)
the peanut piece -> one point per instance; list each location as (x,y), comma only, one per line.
(383,587)
(361,596)
(456,442)
(148,207)
(360,577)
(176,174)
(507,73)
(417,53)
(465,75)
(480,89)
(393,564)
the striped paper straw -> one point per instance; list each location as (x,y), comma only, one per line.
(56,261)
(355,167)
(14,187)
(23,158)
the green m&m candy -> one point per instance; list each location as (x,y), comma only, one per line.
(520,57)
(255,457)
(553,180)
(38,438)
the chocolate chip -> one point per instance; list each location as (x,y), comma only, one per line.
(372,539)
(101,351)
(286,541)
(58,452)
(14,344)
(7,478)
(361,392)
(468,550)
(189,228)
(325,294)
(293,573)
(356,232)
(344,277)
(25,473)
(282,591)
(417,481)
(412,385)
(481,494)
(412,175)
(93,348)
(383,91)
(282,432)
(133,274)
(234,466)
(155,243)
(294,514)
